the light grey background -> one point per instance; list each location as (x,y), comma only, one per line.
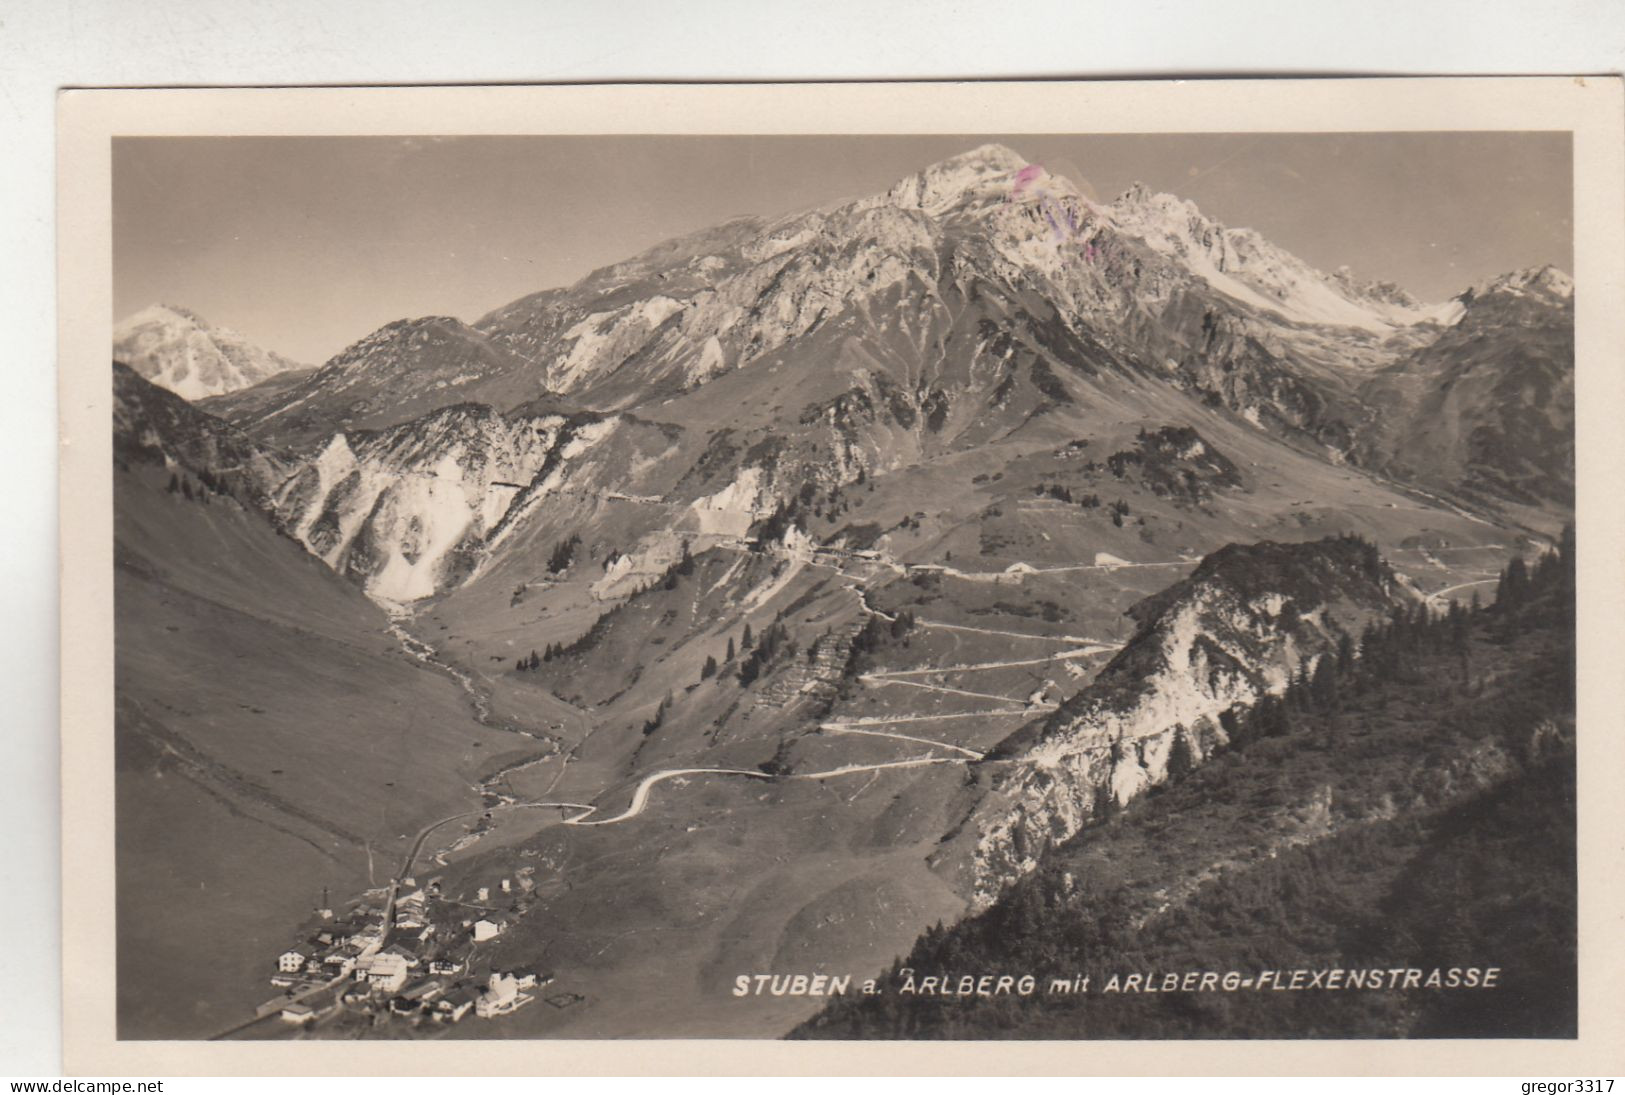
(49,44)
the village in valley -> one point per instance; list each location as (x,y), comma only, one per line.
(406,955)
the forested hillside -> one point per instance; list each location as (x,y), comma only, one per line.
(1408,804)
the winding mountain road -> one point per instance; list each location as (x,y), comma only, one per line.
(1065,655)
(1435,598)
(939,626)
(876,681)
(848,728)
(640,798)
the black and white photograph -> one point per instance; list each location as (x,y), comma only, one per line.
(1011,585)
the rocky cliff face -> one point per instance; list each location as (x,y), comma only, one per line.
(1241,626)
(407,511)
(412,510)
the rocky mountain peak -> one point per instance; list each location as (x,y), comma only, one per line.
(959,179)
(991,157)
(404,335)
(1380,292)
(1137,194)
(1545,280)
(177,349)
(161,313)
(1245,266)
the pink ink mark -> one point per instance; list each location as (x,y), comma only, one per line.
(1025,178)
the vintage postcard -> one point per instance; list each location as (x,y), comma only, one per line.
(843,578)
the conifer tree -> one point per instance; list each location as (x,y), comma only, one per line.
(1181,756)
(1514,583)
(1345,653)
(1323,686)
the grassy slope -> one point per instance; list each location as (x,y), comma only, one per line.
(258,696)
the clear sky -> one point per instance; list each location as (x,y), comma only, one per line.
(306,244)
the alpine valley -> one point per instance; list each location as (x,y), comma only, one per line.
(971,552)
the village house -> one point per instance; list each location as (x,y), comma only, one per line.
(293,959)
(489,927)
(528,977)
(359,993)
(457,1003)
(385,972)
(298,1013)
(409,911)
(338,934)
(404,953)
(451,957)
(424,990)
(340,961)
(501,996)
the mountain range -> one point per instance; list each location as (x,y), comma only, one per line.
(1003,499)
